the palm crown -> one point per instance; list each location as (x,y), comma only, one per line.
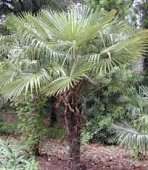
(55,50)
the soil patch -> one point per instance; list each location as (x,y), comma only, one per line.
(54,156)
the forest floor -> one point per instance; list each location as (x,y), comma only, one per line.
(95,157)
(53,155)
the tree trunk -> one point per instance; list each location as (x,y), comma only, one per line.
(73,139)
(73,124)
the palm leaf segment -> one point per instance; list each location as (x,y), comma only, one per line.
(132,138)
(56,50)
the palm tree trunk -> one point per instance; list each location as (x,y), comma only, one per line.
(73,127)
(73,123)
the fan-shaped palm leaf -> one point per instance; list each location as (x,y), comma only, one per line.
(27,82)
(132,139)
(135,138)
(66,38)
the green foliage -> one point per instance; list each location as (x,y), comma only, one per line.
(31,123)
(40,48)
(56,133)
(7,128)
(32,130)
(135,137)
(111,102)
(121,6)
(52,53)
(98,130)
(14,158)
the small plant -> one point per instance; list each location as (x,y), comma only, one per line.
(98,130)
(56,133)
(31,124)
(7,128)
(135,137)
(12,157)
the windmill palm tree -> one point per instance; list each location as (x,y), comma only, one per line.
(61,54)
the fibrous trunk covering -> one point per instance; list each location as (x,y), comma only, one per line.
(73,123)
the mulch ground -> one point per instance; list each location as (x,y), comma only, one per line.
(54,156)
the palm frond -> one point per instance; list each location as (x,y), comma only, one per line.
(128,50)
(9,73)
(48,28)
(28,82)
(63,48)
(131,138)
(6,43)
(32,32)
(69,79)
